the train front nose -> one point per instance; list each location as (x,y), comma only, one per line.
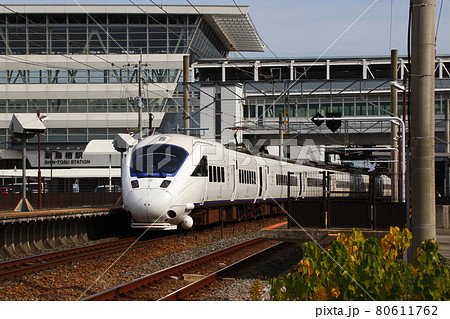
(150,205)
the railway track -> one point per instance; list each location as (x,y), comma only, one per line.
(27,265)
(167,284)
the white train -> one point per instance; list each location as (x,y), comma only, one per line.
(165,177)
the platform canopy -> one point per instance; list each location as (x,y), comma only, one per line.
(239,32)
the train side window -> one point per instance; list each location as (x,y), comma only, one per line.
(222,170)
(219,176)
(215,174)
(210,174)
(202,168)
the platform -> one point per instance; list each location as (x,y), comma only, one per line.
(25,233)
(7,217)
(325,236)
(322,236)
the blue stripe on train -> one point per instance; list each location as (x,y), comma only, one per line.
(239,201)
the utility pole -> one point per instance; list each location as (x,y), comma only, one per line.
(447,146)
(423,210)
(394,128)
(186,113)
(447,125)
(139,99)
(280,134)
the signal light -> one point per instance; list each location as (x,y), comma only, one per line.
(316,120)
(333,125)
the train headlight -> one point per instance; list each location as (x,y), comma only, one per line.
(165,183)
(135,184)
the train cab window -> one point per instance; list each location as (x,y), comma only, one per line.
(202,168)
(157,160)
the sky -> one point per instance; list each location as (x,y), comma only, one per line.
(320,28)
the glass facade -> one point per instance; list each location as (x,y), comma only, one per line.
(96,33)
(346,106)
(108,34)
(71,35)
(80,76)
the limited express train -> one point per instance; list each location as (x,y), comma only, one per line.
(165,177)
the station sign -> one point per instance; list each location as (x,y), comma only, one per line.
(72,159)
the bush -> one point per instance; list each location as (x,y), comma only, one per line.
(356,268)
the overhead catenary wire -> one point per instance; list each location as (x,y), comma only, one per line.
(297,79)
(190,47)
(284,92)
(335,261)
(123,49)
(70,43)
(168,29)
(59,37)
(71,57)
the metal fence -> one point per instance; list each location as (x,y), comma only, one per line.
(347,200)
(62,193)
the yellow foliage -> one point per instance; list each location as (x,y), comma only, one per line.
(335,292)
(395,242)
(256,291)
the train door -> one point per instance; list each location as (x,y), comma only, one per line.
(233,178)
(300,185)
(261,182)
(231,182)
(332,183)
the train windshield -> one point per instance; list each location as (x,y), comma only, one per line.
(158,160)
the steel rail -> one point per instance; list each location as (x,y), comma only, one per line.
(201,283)
(27,265)
(110,294)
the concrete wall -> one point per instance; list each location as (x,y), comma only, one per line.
(443,216)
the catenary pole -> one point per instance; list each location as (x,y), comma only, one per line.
(423,211)
(394,128)
(186,93)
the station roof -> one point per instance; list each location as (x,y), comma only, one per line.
(232,24)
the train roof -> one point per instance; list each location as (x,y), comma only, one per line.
(187,142)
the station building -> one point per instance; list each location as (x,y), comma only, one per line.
(81,66)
